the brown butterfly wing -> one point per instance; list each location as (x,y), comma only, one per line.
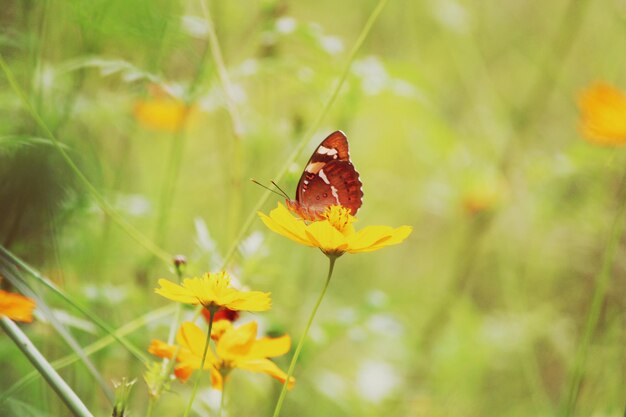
(330,178)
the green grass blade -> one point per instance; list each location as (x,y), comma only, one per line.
(46,370)
(18,282)
(138,354)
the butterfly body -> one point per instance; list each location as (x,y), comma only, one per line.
(329,178)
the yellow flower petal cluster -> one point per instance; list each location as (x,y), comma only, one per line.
(16,306)
(603,114)
(161,113)
(213,291)
(235,348)
(334,233)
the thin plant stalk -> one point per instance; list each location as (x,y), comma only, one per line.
(91,349)
(235,162)
(13,276)
(212,311)
(222,74)
(547,80)
(296,354)
(167,365)
(150,407)
(224,372)
(138,354)
(597,300)
(65,393)
(130,230)
(312,128)
(177,149)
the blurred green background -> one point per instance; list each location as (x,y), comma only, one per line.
(462,122)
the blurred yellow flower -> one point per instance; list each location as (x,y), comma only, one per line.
(213,291)
(161,113)
(603,114)
(235,348)
(334,233)
(16,306)
(483,196)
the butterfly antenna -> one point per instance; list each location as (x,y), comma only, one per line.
(281,190)
(266,187)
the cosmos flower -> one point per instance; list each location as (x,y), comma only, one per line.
(161,112)
(213,291)
(237,347)
(334,233)
(16,306)
(603,114)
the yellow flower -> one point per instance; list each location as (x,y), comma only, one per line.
(603,114)
(161,111)
(190,346)
(16,306)
(213,291)
(484,195)
(334,234)
(235,348)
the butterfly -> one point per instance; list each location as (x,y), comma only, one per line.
(329,178)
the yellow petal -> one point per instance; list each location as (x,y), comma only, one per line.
(161,114)
(603,114)
(16,306)
(326,237)
(270,347)
(237,341)
(267,367)
(176,292)
(284,223)
(217,382)
(183,371)
(161,349)
(251,301)
(373,238)
(191,337)
(219,328)
(202,289)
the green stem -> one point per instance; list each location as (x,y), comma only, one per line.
(167,365)
(547,80)
(177,149)
(168,188)
(151,402)
(222,401)
(597,300)
(57,383)
(222,74)
(292,365)
(212,311)
(235,162)
(176,320)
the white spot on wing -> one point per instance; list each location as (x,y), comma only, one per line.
(333,190)
(314,167)
(323,176)
(326,151)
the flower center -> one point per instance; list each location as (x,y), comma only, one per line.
(339,217)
